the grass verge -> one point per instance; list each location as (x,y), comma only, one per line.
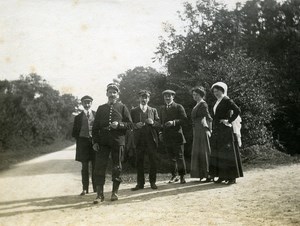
(11,157)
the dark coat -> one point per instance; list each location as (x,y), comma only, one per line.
(173,134)
(84,147)
(77,124)
(104,115)
(225,157)
(151,129)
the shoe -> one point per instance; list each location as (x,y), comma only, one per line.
(173,179)
(219,181)
(182,180)
(99,199)
(230,181)
(84,192)
(153,186)
(207,180)
(137,187)
(114,197)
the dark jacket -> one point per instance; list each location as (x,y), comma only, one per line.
(149,130)
(105,114)
(77,124)
(173,134)
(226,109)
(84,148)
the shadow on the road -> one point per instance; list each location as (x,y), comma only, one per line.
(127,196)
(12,208)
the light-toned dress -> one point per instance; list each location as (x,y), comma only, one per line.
(201,146)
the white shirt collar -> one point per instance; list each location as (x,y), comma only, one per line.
(169,104)
(87,111)
(143,107)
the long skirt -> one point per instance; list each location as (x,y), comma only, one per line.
(200,152)
(225,161)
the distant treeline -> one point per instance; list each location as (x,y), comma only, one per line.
(33,113)
(254,48)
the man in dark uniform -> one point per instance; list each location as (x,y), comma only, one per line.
(82,132)
(110,125)
(173,116)
(145,123)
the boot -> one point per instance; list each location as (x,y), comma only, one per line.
(182,180)
(100,195)
(114,195)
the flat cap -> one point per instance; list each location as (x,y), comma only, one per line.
(144,92)
(172,92)
(113,86)
(86,97)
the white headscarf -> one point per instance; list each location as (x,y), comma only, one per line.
(236,124)
(221,84)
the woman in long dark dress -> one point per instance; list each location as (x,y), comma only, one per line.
(225,157)
(201,133)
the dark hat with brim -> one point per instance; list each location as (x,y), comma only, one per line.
(113,86)
(144,93)
(168,91)
(86,97)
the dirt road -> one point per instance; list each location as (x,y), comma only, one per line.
(44,191)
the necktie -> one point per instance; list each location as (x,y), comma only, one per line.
(88,115)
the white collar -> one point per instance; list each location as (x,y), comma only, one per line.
(200,101)
(170,103)
(217,103)
(144,107)
(87,111)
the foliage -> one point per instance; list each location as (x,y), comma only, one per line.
(32,112)
(267,31)
(141,78)
(249,86)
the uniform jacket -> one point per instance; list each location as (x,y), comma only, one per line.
(153,129)
(102,134)
(173,134)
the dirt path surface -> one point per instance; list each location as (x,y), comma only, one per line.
(44,191)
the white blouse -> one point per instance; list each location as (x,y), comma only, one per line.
(217,103)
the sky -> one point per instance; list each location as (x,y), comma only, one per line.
(81,46)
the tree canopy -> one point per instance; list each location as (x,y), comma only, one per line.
(265,32)
(254,48)
(32,112)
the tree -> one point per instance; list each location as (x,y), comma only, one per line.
(141,78)
(32,112)
(213,48)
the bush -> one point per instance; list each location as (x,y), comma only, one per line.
(33,113)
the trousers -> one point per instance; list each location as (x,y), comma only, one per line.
(85,174)
(142,150)
(102,158)
(177,161)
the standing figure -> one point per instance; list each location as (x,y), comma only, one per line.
(225,157)
(111,122)
(82,132)
(172,117)
(145,123)
(201,132)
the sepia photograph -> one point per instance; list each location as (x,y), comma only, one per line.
(138,112)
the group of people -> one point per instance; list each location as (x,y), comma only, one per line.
(102,134)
